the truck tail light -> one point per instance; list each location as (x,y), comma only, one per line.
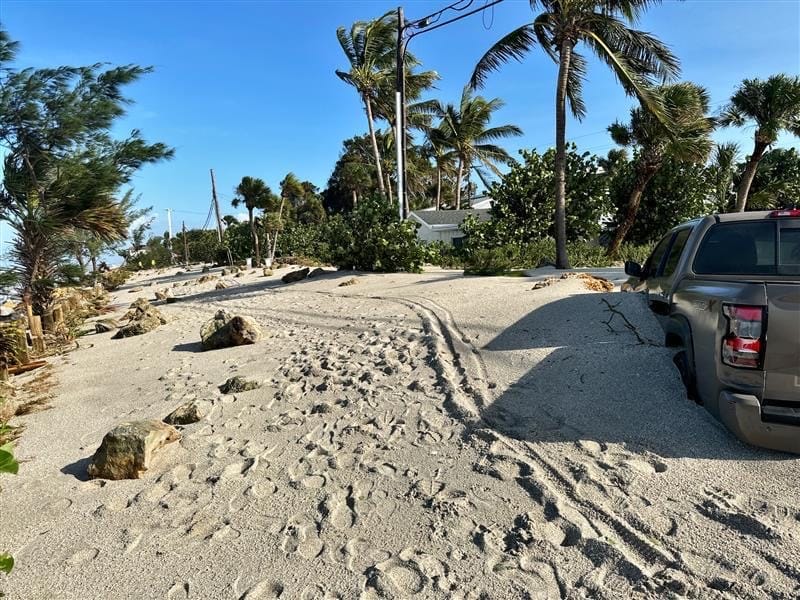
(743,344)
(785,212)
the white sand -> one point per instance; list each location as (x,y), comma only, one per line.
(431,436)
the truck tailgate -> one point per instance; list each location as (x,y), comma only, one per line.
(782,361)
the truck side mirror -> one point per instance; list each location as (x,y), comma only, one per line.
(633,269)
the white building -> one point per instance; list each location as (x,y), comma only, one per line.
(444,225)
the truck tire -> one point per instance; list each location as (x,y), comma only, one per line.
(686,369)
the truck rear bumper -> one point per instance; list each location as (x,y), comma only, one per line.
(741,413)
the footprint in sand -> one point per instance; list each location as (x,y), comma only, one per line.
(82,556)
(396,578)
(337,509)
(300,536)
(263,590)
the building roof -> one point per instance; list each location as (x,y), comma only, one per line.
(453,218)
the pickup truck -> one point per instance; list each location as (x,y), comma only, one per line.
(728,286)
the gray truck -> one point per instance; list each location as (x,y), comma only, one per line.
(728,286)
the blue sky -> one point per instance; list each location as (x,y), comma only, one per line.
(248,88)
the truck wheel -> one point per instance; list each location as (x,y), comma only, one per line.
(686,369)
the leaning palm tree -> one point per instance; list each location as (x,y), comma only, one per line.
(254,194)
(465,130)
(368,47)
(688,139)
(773,106)
(638,59)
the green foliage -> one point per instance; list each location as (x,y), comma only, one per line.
(299,239)
(7,462)
(203,245)
(153,254)
(112,280)
(63,170)
(677,193)
(777,181)
(444,255)
(524,199)
(7,465)
(370,238)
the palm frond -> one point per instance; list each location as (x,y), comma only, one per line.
(514,45)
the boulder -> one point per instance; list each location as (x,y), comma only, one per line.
(105,325)
(222,285)
(161,295)
(317,271)
(236,385)
(226,330)
(297,275)
(134,290)
(267,272)
(206,278)
(142,317)
(127,450)
(206,269)
(351,281)
(190,412)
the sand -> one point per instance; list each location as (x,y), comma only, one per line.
(426,436)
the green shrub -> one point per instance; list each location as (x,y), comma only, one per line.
(111,280)
(444,255)
(634,252)
(370,238)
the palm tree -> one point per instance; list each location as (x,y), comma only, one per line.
(254,194)
(723,169)
(368,47)
(436,149)
(638,59)
(465,129)
(688,139)
(774,106)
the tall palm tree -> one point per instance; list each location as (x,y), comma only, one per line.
(368,47)
(688,139)
(465,129)
(773,106)
(638,59)
(254,194)
(435,148)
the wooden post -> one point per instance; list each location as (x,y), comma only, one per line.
(22,340)
(48,323)
(58,317)
(37,336)
(185,244)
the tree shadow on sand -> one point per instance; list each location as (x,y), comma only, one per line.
(604,382)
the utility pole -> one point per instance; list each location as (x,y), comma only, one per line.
(399,112)
(185,244)
(216,206)
(169,231)
(405,31)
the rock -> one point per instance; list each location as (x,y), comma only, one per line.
(127,450)
(161,295)
(224,272)
(293,276)
(105,325)
(142,317)
(239,274)
(172,299)
(134,290)
(267,272)
(351,281)
(190,412)
(226,330)
(222,285)
(206,269)
(206,279)
(317,271)
(238,384)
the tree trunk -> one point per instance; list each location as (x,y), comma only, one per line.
(355,199)
(375,151)
(254,233)
(643,177)
(94,268)
(438,188)
(562,260)
(274,247)
(748,175)
(389,188)
(458,183)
